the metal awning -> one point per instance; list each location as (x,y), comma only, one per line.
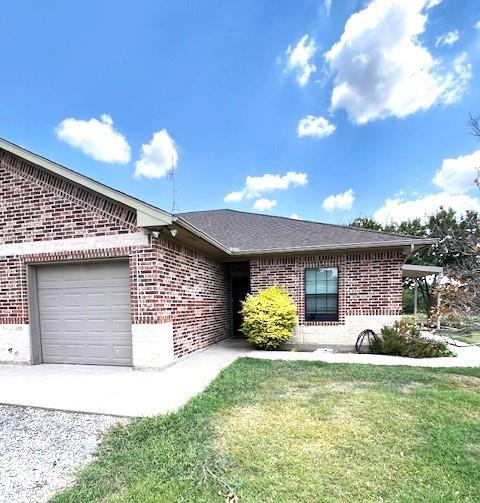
(420,271)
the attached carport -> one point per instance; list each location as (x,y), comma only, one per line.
(415,272)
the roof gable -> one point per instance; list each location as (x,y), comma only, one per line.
(147,215)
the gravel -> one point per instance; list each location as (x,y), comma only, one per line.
(40,450)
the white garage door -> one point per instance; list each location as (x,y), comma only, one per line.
(84,313)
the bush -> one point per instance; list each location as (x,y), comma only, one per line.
(269,317)
(404,339)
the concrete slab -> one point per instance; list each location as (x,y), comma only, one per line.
(119,391)
(123,391)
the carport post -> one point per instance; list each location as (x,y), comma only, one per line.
(415,299)
(439,278)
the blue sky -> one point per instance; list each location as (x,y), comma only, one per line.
(358,109)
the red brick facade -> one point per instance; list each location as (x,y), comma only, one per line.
(168,281)
(370,283)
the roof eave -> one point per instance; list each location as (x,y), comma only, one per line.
(421,243)
(411,244)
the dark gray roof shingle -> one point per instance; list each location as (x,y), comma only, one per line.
(241,231)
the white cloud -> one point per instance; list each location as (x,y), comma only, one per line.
(449,38)
(295,216)
(456,82)
(317,127)
(328,5)
(255,186)
(158,157)
(477,25)
(235,196)
(268,182)
(96,138)
(457,175)
(299,59)
(342,201)
(382,69)
(398,210)
(264,204)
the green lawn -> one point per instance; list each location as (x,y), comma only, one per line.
(302,432)
(471,338)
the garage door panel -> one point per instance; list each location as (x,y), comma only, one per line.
(119,298)
(85,313)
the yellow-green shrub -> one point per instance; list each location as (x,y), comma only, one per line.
(269,317)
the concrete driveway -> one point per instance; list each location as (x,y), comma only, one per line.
(119,391)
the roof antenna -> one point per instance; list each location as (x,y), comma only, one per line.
(171,177)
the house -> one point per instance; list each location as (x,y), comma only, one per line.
(91,275)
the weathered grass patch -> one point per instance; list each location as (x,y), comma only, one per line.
(302,431)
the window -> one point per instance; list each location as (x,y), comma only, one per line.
(321,294)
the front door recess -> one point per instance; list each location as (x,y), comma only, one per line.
(240,274)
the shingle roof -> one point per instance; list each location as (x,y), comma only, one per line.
(249,232)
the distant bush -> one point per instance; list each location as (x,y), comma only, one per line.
(404,339)
(269,317)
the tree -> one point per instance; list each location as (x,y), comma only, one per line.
(367,223)
(474,125)
(462,293)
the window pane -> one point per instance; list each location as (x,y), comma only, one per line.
(331,287)
(331,303)
(321,306)
(321,287)
(310,304)
(310,287)
(332,274)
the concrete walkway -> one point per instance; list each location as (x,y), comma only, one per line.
(466,357)
(122,391)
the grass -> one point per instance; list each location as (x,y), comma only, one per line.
(471,338)
(301,431)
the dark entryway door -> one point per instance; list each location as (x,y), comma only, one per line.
(240,288)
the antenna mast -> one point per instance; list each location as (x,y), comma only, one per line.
(175,208)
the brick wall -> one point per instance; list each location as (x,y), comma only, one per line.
(370,283)
(169,283)
(197,294)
